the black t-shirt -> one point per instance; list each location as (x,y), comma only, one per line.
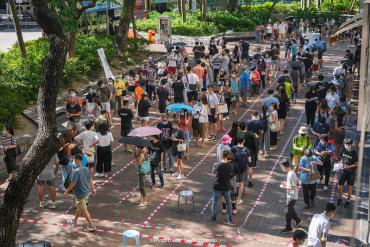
(255,126)
(224,173)
(126,116)
(90,97)
(73,109)
(166,134)
(349,158)
(283,78)
(311,105)
(155,153)
(163,94)
(178,89)
(307,63)
(143,108)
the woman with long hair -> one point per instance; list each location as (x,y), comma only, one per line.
(184,126)
(265,136)
(283,104)
(9,146)
(233,132)
(203,120)
(104,151)
(235,58)
(274,126)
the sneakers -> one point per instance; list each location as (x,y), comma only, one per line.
(285,230)
(250,184)
(52,205)
(347,204)
(143,204)
(106,175)
(229,223)
(239,202)
(90,229)
(42,204)
(313,203)
(213,221)
(325,188)
(180,177)
(339,202)
(99,175)
(176,174)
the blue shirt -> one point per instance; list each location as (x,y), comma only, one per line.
(328,147)
(244,79)
(306,163)
(234,86)
(269,101)
(294,50)
(81,179)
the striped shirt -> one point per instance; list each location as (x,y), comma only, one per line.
(8,141)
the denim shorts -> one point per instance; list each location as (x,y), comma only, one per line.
(187,138)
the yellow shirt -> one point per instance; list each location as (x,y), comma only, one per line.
(120,85)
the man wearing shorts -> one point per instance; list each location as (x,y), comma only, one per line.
(212,116)
(47,176)
(191,80)
(82,184)
(73,110)
(349,159)
(172,63)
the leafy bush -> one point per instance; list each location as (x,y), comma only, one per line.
(20,78)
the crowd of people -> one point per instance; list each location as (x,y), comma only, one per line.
(217,84)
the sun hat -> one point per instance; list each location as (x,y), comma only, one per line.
(302,130)
(226,139)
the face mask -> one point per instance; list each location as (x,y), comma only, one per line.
(164,122)
(110,83)
(150,58)
(199,103)
(102,86)
(91,91)
(347,147)
(73,94)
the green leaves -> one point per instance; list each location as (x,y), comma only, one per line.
(66,12)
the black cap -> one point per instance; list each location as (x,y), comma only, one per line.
(348,140)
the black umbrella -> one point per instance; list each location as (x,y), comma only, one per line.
(289,18)
(179,44)
(136,141)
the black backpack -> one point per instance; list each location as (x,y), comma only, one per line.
(240,157)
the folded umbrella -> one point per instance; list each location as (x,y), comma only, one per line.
(179,108)
(145,131)
(179,44)
(136,141)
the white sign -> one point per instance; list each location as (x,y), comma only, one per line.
(18,1)
(104,62)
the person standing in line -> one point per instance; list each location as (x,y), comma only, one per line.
(203,120)
(311,99)
(178,137)
(212,116)
(349,159)
(47,176)
(139,156)
(191,80)
(283,105)
(165,137)
(320,226)
(143,110)
(9,145)
(104,152)
(270,99)
(224,171)
(184,126)
(223,146)
(244,85)
(83,185)
(113,90)
(156,154)
(291,186)
(89,102)
(88,139)
(274,126)
(126,116)
(163,96)
(235,85)
(299,237)
(324,150)
(105,96)
(120,85)
(301,142)
(242,158)
(308,166)
(102,119)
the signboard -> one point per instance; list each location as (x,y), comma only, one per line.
(108,73)
(18,1)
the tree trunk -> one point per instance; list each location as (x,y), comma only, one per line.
(45,144)
(72,45)
(179,7)
(183,11)
(18,29)
(127,14)
(232,5)
(272,7)
(190,5)
(204,9)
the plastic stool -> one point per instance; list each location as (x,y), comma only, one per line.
(185,194)
(131,234)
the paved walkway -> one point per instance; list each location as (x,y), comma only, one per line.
(162,223)
(9,38)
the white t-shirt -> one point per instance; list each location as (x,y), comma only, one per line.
(220,148)
(332,100)
(292,182)
(191,78)
(106,140)
(172,60)
(196,109)
(203,118)
(87,138)
(319,226)
(282,28)
(268,29)
(48,173)
(212,100)
(339,71)
(275,26)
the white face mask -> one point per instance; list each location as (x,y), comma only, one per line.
(73,94)
(91,90)
(102,85)
(199,103)
(110,83)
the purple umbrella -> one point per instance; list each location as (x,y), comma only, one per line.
(145,131)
